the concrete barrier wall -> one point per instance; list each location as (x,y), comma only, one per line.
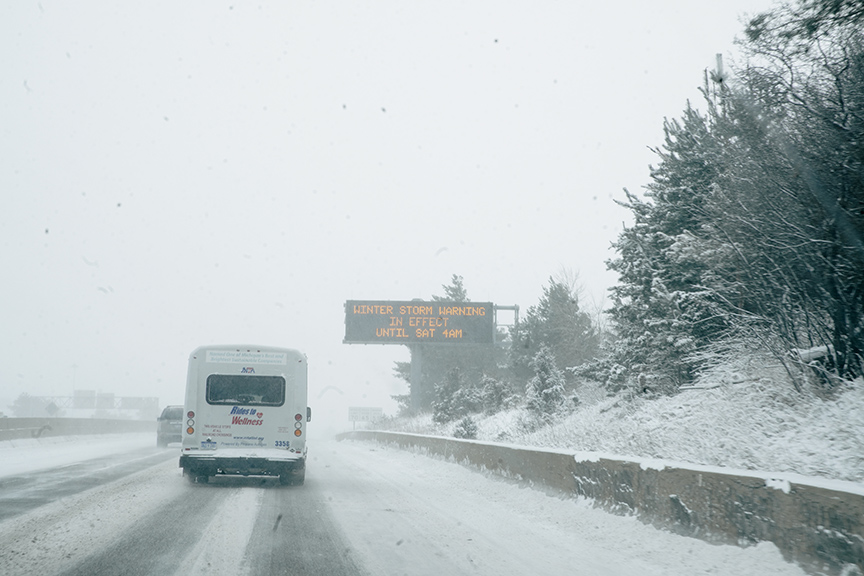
(821,529)
(14,428)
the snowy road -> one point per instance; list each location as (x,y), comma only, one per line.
(28,491)
(363,510)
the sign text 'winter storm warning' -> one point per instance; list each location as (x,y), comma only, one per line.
(393,322)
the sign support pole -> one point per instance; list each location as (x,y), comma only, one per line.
(417,392)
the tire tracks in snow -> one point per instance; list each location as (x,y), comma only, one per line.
(150,522)
(60,534)
(296,535)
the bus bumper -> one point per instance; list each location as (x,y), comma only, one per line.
(204,465)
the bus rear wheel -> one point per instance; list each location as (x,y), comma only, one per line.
(293,478)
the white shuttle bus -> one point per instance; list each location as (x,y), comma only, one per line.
(245,413)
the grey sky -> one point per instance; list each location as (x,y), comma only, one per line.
(179,174)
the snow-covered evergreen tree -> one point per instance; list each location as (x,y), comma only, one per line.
(558,323)
(545,393)
(455,397)
(444,408)
(661,313)
(466,428)
(453,292)
(494,394)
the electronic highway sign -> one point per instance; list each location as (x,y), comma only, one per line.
(415,321)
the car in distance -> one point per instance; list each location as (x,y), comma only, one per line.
(169,425)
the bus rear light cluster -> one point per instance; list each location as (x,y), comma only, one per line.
(298,424)
(190,422)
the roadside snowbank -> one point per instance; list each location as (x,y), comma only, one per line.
(760,425)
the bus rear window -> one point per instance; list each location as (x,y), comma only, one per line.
(245,390)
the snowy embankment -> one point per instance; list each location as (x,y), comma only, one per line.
(764,425)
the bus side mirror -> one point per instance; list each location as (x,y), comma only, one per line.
(308,414)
